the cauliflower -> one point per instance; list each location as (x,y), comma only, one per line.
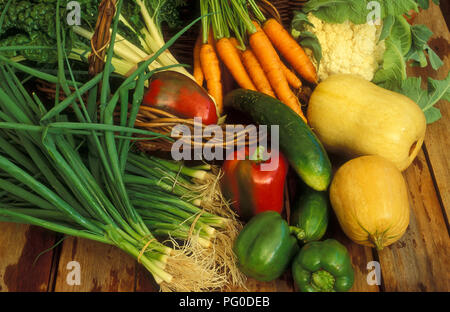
(347,48)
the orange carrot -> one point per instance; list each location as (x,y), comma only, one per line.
(290,49)
(254,69)
(256,72)
(211,70)
(235,43)
(291,77)
(269,60)
(229,55)
(198,72)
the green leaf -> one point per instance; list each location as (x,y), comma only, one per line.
(398,7)
(401,33)
(432,115)
(388,23)
(418,57)
(439,90)
(333,13)
(421,34)
(393,69)
(305,38)
(435,60)
(300,21)
(426,98)
(424,4)
(309,40)
(356,11)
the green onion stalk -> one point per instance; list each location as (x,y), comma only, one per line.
(76,177)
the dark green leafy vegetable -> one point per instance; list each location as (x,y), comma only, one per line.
(28,32)
(32,24)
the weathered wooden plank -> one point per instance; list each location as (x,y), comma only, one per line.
(420,260)
(360,256)
(283,284)
(437,140)
(102,267)
(144,280)
(20,245)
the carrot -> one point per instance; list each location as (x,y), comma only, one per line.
(229,54)
(291,77)
(290,49)
(254,69)
(256,72)
(198,72)
(270,62)
(235,43)
(211,70)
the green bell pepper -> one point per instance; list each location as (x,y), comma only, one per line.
(323,267)
(265,247)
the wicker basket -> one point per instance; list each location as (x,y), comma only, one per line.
(160,121)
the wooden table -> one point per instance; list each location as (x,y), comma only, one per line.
(420,261)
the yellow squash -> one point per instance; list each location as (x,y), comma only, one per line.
(369,197)
(354,117)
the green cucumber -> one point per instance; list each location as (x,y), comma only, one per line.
(309,215)
(297,142)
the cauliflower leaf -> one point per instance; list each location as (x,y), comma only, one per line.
(426,98)
(356,11)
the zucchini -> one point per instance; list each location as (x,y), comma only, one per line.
(298,143)
(309,215)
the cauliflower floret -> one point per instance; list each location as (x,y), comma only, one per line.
(347,48)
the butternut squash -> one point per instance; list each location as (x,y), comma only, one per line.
(369,197)
(354,117)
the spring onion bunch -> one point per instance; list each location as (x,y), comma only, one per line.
(72,172)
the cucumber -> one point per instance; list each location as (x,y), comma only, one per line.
(297,142)
(309,215)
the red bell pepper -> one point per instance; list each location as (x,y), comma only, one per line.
(178,94)
(250,189)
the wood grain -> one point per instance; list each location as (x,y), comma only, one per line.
(144,280)
(283,284)
(102,267)
(360,257)
(437,140)
(420,260)
(20,245)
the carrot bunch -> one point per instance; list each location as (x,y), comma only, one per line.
(249,47)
